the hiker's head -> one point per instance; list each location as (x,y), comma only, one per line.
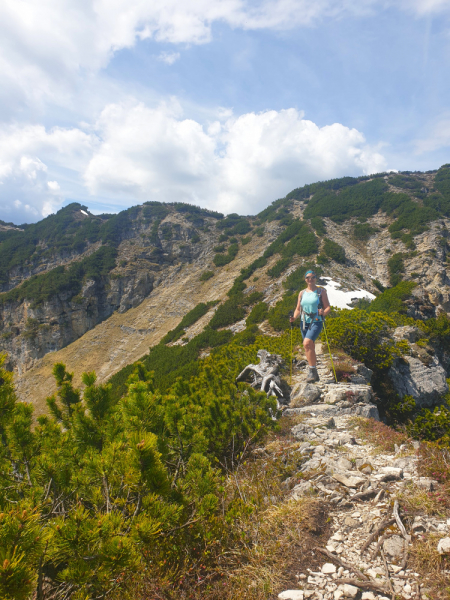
(310,276)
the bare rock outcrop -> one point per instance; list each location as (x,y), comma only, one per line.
(419,374)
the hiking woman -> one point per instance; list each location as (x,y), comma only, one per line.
(313,306)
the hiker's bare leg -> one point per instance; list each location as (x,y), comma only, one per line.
(310,351)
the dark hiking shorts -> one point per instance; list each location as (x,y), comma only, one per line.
(311,331)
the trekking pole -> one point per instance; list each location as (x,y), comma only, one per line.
(328,344)
(291,314)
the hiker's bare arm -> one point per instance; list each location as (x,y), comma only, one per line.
(325,304)
(297,309)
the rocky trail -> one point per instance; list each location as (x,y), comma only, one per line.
(368,552)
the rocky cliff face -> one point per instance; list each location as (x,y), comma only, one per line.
(29,329)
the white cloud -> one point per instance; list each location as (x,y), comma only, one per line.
(136,153)
(26,191)
(239,165)
(169,57)
(46,45)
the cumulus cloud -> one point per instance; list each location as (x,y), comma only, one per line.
(235,164)
(27,191)
(135,153)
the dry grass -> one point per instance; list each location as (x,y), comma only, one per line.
(383,437)
(269,540)
(277,545)
(426,560)
(416,501)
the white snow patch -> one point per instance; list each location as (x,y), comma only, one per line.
(84,212)
(341,299)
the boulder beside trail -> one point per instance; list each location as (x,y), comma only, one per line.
(426,384)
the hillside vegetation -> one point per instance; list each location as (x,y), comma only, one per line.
(128,488)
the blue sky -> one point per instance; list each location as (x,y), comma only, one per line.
(227,105)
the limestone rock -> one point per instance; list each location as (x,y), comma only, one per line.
(350,522)
(393,546)
(349,591)
(343,464)
(291,595)
(351,481)
(426,483)
(408,333)
(443,546)
(301,489)
(394,472)
(369,411)
(328,568)
(306,394)
(299,431)
(426,384)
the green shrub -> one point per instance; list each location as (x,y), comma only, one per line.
(334,251)
(195,238)
(135,477)
(322,259)
(259,231)
(189,319)
(220,260)
(223,237)
(432,425)
(378,284)
(396,268)
(357,200)
(278,315)
(363,231)
(365,337)
(241,228)
(258,314)
(246,240)
(279,267)
(318,225)
(392,299)
(228,313)
(206,275)
(219,248)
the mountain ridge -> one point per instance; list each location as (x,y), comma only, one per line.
(368,232)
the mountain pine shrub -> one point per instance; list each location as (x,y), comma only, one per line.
(334,251)
(104,488)
(396,268)
(258,314)
(365,337)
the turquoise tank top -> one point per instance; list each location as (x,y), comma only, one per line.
(310,306)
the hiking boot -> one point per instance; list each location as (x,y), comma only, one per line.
(313,375)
